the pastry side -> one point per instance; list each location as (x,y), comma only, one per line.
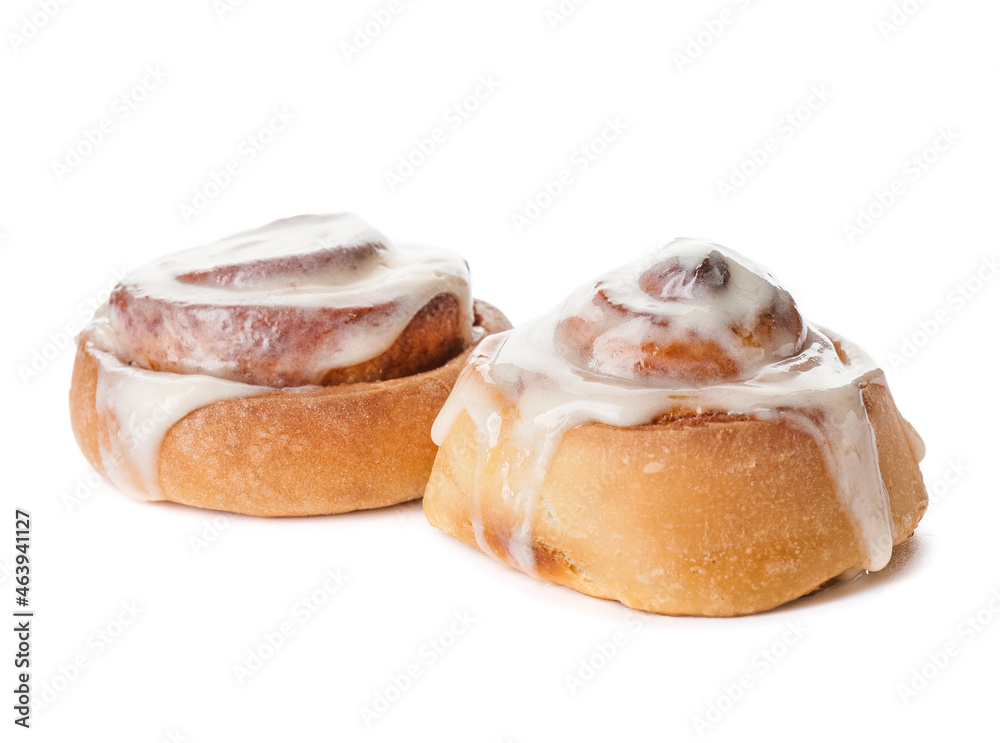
(295,451)
(714,515)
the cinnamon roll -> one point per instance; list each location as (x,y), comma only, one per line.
(289,370)
(678,438)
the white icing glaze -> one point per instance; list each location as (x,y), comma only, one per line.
(137,406)
(811,388)
(403,278)
(727,294)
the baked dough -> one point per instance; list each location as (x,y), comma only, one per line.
(289,370)
(708,515)
(676,437)
(294,452)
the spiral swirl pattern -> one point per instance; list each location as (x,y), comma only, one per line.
(694,312)
(315,299)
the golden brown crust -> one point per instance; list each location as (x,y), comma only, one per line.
(296,452)
(707,516)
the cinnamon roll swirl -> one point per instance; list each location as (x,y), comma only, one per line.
(677,437)
(293,369)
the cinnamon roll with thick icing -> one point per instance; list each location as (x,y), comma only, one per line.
(678,438)
(294,369)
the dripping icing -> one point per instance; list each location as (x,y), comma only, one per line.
(137,406)
(814,390)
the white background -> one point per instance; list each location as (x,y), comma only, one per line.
(204,607)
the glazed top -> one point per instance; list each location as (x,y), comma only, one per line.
(283,304)
(692,329)
(277,306)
